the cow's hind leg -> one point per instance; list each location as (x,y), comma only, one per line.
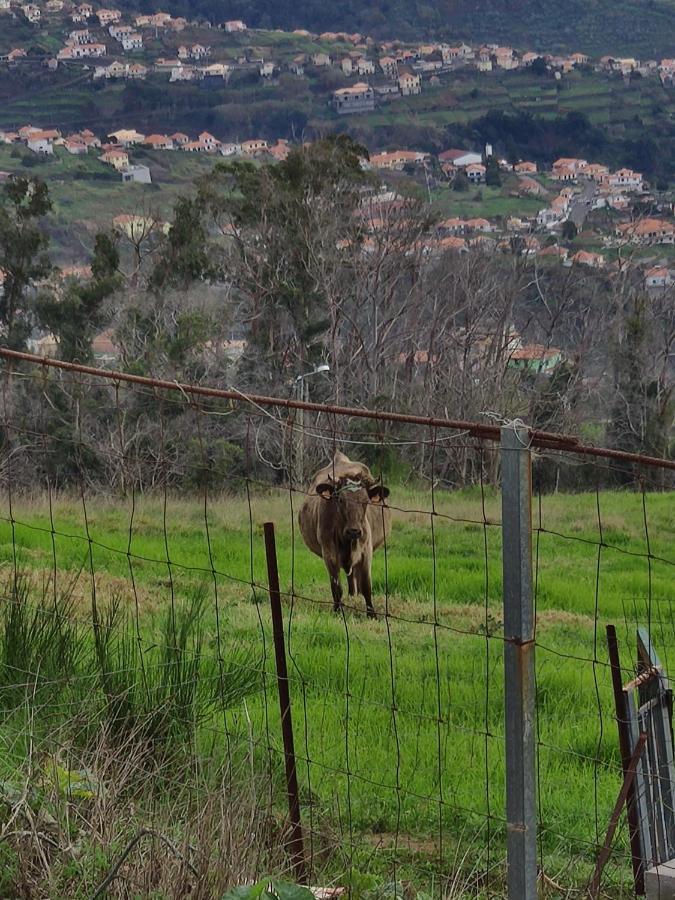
(333,567)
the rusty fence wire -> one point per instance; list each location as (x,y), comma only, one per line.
(140,678)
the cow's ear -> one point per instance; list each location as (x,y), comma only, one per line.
(325,489)
(378,493)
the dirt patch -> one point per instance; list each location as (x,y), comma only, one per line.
(391,841)
(563,617)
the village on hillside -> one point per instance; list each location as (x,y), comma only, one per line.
(569,193)
(111,45)
(575,211)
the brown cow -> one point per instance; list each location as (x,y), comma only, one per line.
(343,520)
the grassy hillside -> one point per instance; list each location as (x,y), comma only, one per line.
(367,694)
(87,194)
(602,26)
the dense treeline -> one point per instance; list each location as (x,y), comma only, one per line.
(267,272)
(524,136)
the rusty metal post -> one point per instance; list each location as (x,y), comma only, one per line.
(625,749)
(626,788)
(295,844)
(519,672)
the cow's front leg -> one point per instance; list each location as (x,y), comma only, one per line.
(363,578)
(352,583)
(333,567)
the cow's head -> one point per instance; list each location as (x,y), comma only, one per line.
(350,500)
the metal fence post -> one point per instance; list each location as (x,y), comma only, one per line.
(519,673)
(295,843)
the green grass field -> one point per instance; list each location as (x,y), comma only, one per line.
(485,201)
(411,704)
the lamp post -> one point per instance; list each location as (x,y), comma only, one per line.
(303,397)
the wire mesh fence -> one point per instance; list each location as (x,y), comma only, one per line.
(143,747)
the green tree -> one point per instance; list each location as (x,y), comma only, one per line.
(642,412)
(493,176)
(281,226)
(460,182)
(77,314)
(185,254)
(538,66)
(569,230)
(23,254)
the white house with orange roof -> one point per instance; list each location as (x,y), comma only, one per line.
(75,146)
(505,59)
(648,231)
(658,277)
(356,99)
(82,51)
(108,16)
(234,25)
(84,138)
(118,31)
(475,172)
(118,159)
(453,225)
(209,142)
(666,69)
(588,258)
(626,179)
(41,142)
(132,41)
(525,167)
(596,171)
(409,83)
(159,142)
(480,224)
(365,66)
(389,66)
(79,36)
(32,13)
(396,159)
(127,137)
(136,71)
(255,145)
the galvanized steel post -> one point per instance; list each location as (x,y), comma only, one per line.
(519,673)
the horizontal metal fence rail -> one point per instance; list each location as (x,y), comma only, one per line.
(547,440)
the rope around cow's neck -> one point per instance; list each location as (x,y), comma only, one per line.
(351,486)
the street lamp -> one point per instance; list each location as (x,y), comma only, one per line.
(303,397)
(324,367)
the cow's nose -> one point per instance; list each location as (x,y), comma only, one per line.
(354,534)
